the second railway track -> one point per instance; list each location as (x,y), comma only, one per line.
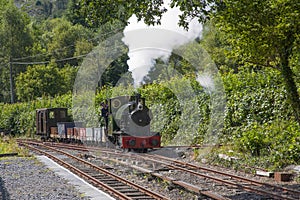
(206,182)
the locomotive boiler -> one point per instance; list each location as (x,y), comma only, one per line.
(129,124)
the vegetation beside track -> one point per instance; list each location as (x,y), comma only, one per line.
(9,145)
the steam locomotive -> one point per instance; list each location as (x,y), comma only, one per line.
(128,125)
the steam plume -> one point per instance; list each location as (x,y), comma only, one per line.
(147,43)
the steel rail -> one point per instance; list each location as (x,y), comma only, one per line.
(247,188)
(176,162)
(82,174)
(219,180)
(255,182)
(189,187)
(140,188)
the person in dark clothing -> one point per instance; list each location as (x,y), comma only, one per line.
(104,114)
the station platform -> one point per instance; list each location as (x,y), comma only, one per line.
(81,185)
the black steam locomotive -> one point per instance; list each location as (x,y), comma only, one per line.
(129,124)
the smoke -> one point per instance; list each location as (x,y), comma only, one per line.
(148,43)
(207,82)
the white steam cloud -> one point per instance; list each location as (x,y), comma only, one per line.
(147,43)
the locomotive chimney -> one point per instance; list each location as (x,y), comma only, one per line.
(140,106)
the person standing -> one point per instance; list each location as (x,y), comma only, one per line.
(104,114)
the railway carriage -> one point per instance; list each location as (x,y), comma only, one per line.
(47,119)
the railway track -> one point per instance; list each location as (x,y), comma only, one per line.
(265,189)
(172,171)
(168,167)
(98,176)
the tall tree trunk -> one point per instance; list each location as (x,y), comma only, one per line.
(290,85)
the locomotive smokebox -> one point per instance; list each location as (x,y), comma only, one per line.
(141,117)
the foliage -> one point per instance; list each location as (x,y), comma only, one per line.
(115,71)
(15,40)
(96,13)
(67,74)
(9,145)
(217,47)
(254,96)
(277,142)
(101,12)
(264,33)
(15,36)
(63,40)
(41,80)
(259,125)
(19,118)
(43,9)
(267,35)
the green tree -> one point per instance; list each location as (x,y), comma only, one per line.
(15,40)
(100,12)
(68,74)
(213,41)
(114,71)
(44,9)
(63,41)
(266,34)
(41,80)
(73,14)
(14,31)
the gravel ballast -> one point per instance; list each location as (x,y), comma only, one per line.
(28,179)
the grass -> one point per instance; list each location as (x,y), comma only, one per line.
(9,145)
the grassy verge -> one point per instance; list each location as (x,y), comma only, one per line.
(9,145)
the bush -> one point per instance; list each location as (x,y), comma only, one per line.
(277,142)
(255,96)
(19,118)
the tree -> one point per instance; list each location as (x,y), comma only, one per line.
(73,14)
(44,9)
(41,80)
(263,33)
(266,34)
(15,34)
(15,42)
(68,75)
(64,40)
(114,71)
(97,13)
